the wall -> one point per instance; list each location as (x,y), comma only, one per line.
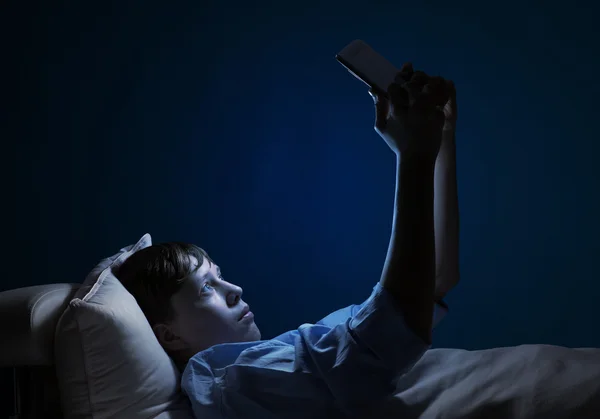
(233,127)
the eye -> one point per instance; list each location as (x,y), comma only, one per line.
(206,288)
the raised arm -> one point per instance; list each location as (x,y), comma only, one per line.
(409,269)
(446,216)
(411,122)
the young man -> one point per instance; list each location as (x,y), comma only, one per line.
(350,360)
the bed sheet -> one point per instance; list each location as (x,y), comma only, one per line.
(522,382)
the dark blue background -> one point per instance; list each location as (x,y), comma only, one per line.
(232,126)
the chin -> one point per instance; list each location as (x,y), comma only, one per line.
(253,334)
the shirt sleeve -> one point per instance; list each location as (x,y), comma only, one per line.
(440,310)
(316,370)
(360,359)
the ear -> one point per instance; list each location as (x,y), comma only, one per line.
(168,338)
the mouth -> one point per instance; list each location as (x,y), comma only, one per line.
(245,311)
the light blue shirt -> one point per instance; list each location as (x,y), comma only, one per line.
(336,368)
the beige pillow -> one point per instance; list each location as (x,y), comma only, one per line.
(108,360)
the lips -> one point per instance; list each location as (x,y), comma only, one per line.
(245,311)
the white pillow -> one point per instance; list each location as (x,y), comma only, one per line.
(109,363)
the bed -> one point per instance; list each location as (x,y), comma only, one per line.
(86,351)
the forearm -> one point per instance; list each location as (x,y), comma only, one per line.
(409,270)
(446,217)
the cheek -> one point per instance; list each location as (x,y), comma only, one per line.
(212,322)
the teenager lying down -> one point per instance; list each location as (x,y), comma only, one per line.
(369,360)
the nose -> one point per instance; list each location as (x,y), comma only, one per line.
(234,295)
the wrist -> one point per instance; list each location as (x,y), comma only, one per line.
(450,124)
(415,163)
(447,147)
(448,135)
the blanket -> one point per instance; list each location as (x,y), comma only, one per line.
(522,382)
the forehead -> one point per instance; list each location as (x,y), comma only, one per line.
(190,287)
(204,269)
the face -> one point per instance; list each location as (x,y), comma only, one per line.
(207,311)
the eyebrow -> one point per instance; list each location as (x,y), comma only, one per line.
(205,276)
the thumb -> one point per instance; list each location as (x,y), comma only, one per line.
(382,108)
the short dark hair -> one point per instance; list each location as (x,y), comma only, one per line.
(153,274)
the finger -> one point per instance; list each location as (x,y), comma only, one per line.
(407,67)
(382,109)
(373,95)
(405,73)
(416,83)
(431,100)
(425,101)
(434,115)
(437,82)
(418,80)
(399,96)
(419,77)
(436,88)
